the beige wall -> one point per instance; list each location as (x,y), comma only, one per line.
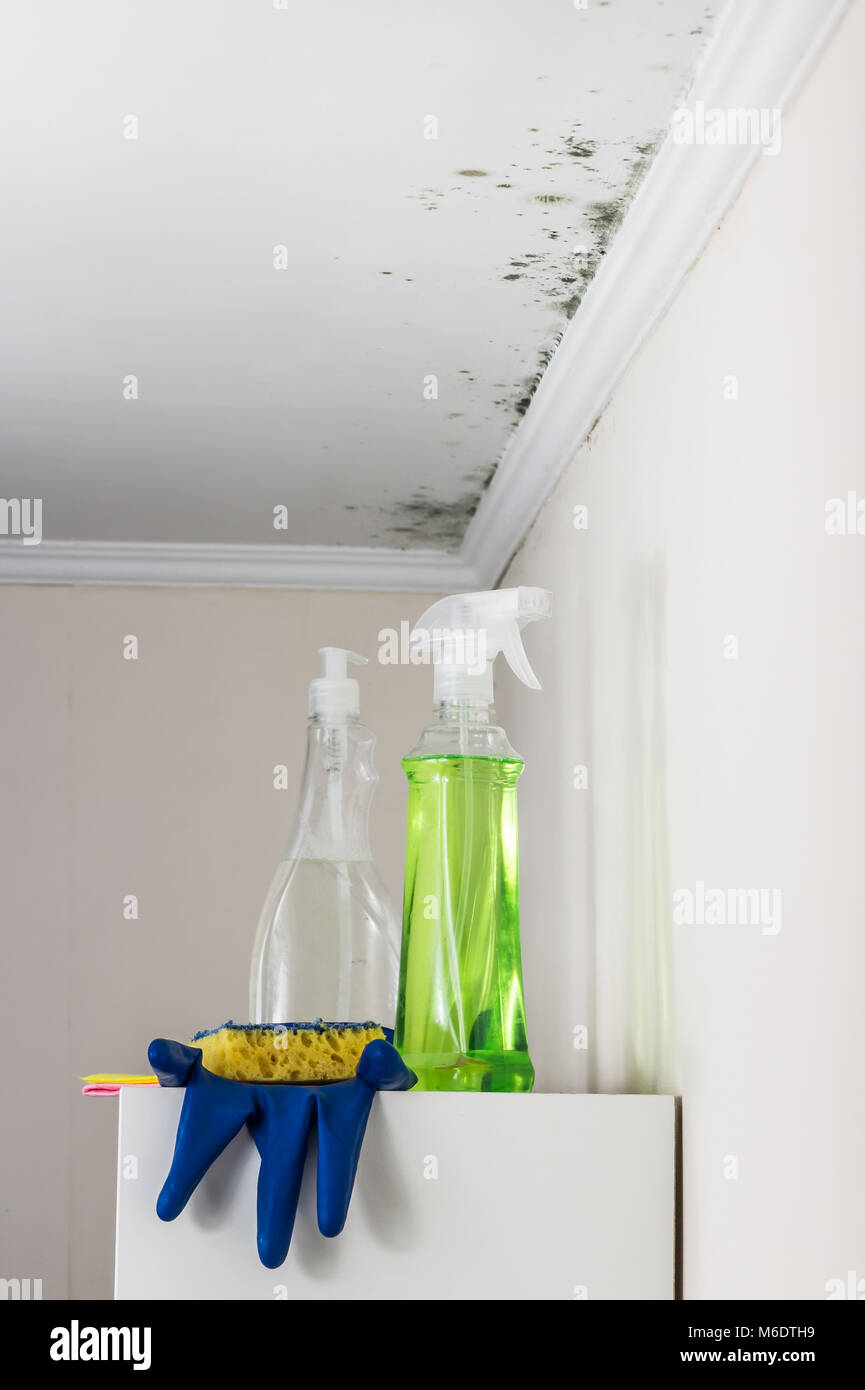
(151,777)
(706,520)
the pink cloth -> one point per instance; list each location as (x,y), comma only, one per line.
(113,1088)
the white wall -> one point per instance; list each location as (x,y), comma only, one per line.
(706,519)
(152,777)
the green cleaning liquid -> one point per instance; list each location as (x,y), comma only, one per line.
(460,1020)
(460,1014)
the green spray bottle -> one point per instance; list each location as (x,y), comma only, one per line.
(460,1021)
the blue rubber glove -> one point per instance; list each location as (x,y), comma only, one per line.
(279,1118)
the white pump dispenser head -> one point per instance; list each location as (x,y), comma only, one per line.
(333,696)
(465,633)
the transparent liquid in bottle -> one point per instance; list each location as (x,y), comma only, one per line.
(327,944)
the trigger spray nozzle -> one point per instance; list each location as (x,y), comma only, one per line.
(464,634)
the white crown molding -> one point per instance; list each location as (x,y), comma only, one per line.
(233,566)
(762,51)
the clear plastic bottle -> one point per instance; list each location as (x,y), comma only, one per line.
(327,944)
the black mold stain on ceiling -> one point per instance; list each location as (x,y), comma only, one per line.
(564,199)
(559,273)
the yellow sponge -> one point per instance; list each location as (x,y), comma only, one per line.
(300,1052)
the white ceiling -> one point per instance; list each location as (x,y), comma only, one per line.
(303,126)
